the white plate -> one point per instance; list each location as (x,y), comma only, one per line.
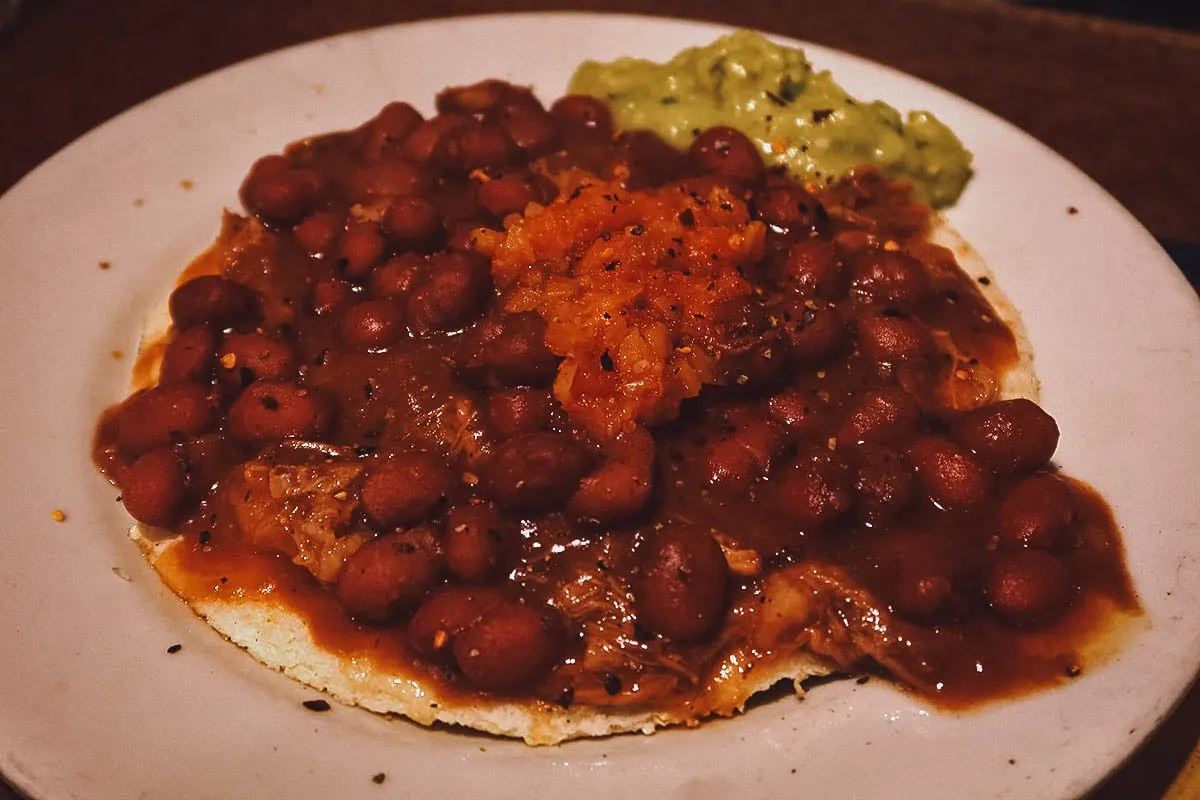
(92,706)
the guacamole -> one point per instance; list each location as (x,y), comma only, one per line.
(797,116)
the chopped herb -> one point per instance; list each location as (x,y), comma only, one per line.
(205,537)
(669,101)
(776,99)
(789,89)
(819,115)
(612,265)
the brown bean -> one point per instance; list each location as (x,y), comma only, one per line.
(475,539)
(802,414)
(1037,513)
(894,338)
(404,489)
(888,277)
(758,365)
(360,248)
(249,357)
(622,485)
(154,487)
(318,234)
(446,613)
(511,412)
(207,458)
(476,98)
(385,577)
(213,300)
(452,293)
(389,179)
(385,134)
(815,489)
(423,141)
(534,132)
(811,269)
(511,647)
(727,152)
(508,194)
(329,295)
(683,586)
(163,415)
(650,160)
(951,477)
(791,209)
(581,111)
(476,146)
(412,223)
(372,324)
(535,472)
(1012,435)
(279,193)
(925,592)
(883,484)
(880,414)
(509,350)
(268,411)
(397,276)
(737,460)
(813,333)
(190,356)
(1028,587)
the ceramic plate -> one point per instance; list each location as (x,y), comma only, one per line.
(92,705)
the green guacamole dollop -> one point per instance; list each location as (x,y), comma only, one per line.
(797,116)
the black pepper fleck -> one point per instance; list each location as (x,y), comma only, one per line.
(612,685)
(175,648)
(686,218)
(378,777)
(316,705)
(606,362)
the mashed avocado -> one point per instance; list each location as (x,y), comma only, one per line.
(797,116)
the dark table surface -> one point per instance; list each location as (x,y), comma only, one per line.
(1116,99)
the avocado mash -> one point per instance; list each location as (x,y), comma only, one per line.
(797,116)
